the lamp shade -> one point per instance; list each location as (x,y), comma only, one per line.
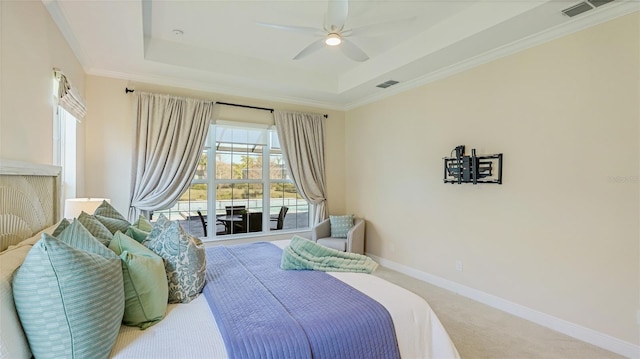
(74,206)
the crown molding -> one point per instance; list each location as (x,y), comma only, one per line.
(576,25)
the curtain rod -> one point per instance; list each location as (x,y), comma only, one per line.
(245,106)
(127,90)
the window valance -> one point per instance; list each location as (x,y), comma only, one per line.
(69,97)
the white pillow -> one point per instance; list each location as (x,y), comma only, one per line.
(13,342)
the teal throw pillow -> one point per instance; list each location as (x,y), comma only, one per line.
(340,225)
(70,298)
(96,228)
(145,282)
(111,218)
(184,260)
(77,236)
(160,225)
(137,234)
(63,224)
(143,224)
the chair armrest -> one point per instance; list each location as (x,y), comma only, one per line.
(321,230)
(355,237)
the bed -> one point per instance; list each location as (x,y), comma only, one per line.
(29,196)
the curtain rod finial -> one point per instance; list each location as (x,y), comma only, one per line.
(127,90)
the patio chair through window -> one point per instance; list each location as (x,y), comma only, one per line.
(279,220)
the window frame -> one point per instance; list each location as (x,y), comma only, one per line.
(65,152)
(266,181)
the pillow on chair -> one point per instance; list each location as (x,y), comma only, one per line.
(340,225)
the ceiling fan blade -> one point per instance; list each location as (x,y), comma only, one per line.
(311,48)
(353,51)
(297,29)
(336,15)
(380,29)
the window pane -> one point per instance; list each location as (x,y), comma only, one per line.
(239,207)
(239,165)
(201,170)
(285,194)
(194,199)
(245,135)
(276,167)
(275,142)
(223,165)
(253,166)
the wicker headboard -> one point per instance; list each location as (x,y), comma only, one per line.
(29,200)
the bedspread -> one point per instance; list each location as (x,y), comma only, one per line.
(263,311)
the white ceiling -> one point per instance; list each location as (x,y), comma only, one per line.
(223,49)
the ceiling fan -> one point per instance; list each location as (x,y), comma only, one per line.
(334,32)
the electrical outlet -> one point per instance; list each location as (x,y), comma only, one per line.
(459,265)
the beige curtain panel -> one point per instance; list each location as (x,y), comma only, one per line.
(301,137)
(170,134)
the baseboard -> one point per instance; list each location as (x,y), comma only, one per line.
(560,325)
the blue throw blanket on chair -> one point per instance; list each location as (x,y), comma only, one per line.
(266,312)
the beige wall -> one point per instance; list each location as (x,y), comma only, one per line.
(31,46)
(561,235)
(111,123)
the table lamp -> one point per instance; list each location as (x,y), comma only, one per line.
(74,206)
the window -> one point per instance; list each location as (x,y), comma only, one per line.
(240,186)
(64,147)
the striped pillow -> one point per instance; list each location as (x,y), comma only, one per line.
(96,228)
(78,236)
(143,224)
(136,233)
(111,218)
(80,296)
(63,224)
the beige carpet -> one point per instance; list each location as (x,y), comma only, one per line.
(480,331)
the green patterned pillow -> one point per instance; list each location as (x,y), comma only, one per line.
(184,260)
(143,224)
(340,225)
(77,236)
(145,282)
(63,224)
(96,228)
(78,307)
(137,234)
(111,218)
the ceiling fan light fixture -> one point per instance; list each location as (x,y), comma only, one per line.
(333,39)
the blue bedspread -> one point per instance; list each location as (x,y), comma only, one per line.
(266,312)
